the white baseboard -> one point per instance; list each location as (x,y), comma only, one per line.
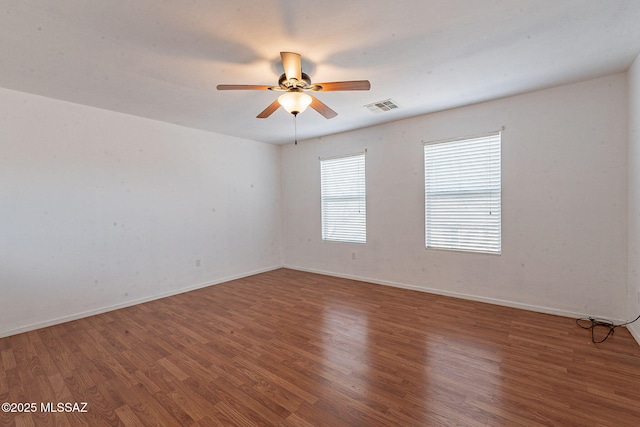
(506,303)
(130,303)
(633,328)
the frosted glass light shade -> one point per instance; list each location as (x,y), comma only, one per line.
(294,102)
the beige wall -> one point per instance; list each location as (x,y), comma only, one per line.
(101,210)
(564,195)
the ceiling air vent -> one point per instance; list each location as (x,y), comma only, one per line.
(380,106)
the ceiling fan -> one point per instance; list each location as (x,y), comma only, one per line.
(294,83)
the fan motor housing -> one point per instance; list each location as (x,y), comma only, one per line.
(292,84)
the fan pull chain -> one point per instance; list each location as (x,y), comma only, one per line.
(295,129)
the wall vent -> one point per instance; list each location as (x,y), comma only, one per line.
(380,106)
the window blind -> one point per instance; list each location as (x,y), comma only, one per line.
(463,194)
(343,198)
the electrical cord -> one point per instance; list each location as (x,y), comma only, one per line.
(593,323)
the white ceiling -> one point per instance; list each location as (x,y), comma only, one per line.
(163,59)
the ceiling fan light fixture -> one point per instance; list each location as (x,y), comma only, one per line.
(294,102)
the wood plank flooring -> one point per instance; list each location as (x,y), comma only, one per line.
(287,348)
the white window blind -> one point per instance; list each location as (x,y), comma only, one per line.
(463,194)
(343,194)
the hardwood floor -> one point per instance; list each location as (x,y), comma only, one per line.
(287,348)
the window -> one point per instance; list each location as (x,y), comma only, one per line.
(463,194)
(343,197)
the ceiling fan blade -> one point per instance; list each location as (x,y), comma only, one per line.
(269,110)
(242,87)
(322,108)
(292,64)
(350,85)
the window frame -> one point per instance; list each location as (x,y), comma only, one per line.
(345,227)
(486,237)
